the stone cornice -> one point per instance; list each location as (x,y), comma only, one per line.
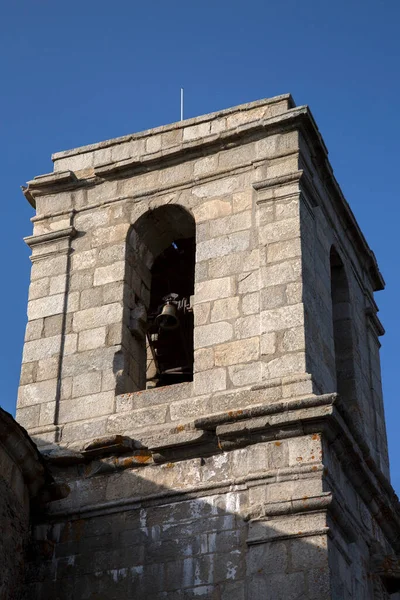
(178,125)
(299,118)
(51,236)
(277,421)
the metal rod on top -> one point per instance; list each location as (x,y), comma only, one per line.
(181,104)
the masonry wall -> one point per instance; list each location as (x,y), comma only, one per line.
(249,317)
(21,478)
(253,480)
(14,517)
(321,230)
(191,529)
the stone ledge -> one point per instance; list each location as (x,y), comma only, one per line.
(178,125)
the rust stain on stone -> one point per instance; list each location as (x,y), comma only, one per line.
(235,413)
(278,443)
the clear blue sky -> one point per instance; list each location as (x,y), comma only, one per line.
(73,73)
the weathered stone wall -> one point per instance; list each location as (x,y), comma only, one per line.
(254,480)
(324,227)
(74,358)
(21,477)
(192,529)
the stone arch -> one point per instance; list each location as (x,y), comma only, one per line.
(160,254)
(343,337)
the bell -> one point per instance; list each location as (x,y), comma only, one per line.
(167,318)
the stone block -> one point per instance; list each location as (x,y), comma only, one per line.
(230,224)
(90,219)
(98,359)
(39,349)
(196,131)
(242,201)
(294,292)
(233,353)
(58,284)
(53,325)
(248,282)
(83,260)
(306,449)
(312,555)
(109,273)
(273,296)
(153,144)
(285,365)
(110,235)
(279,251)
(28,373)
(86,407)
(292,340)
(280,273)
(92,338)
(278,586)
(86,384)
(127,422)
(232,264)
(43,307)
(268,558)
(251,303)
(39,288)
(34,330)
(203,359)
(213,289)
(268,344)
(215,333)
(284,317)
(73,432)
(206,165)
(72,302)
(92,318)
(36,393)
(202,313)
(91,297)
(49,267)
(111,254)
(210,381)
(28,416)
(245,374)
(225,309)
(47,368)
(223,245)
(191,408)
(81,280)
(47,413)
(278,231)
(247,326)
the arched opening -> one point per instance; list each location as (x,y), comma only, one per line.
(158,337)
(342,329)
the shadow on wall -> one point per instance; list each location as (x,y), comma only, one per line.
(124,536)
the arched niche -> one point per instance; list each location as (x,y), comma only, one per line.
(159,281)
(342,330)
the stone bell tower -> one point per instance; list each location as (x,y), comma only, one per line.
(201,367)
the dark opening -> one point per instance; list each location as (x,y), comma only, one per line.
(342,329)
(170,318)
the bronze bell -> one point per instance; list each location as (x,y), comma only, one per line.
(167,318)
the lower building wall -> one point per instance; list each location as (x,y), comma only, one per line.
(253,523)
(201,528)
(14,528)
